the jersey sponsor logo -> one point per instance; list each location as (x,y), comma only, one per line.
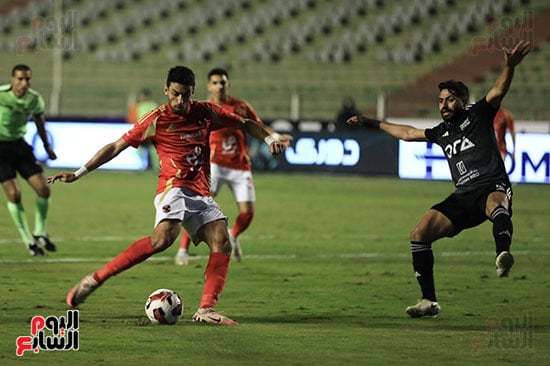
(190,136)
(458,146)
(471,175)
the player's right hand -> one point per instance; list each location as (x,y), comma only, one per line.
(353,120)
(63,177)
(365,121)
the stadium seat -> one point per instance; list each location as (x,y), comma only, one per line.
(365,46)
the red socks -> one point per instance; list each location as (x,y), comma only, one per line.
(243,221)
(136,253)
(214,279)
(214,275)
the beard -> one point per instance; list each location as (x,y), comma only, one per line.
(458,115)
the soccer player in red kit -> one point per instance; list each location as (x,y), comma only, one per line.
(180,131)
(230,161)
(504,121)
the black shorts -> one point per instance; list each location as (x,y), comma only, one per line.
(17,156)
(467,209)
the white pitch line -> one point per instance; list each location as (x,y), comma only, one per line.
(275,257)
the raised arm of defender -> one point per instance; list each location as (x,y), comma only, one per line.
(512,58)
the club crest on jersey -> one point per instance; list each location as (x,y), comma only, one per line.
(458,146)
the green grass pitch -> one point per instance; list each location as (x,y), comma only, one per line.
(325,279)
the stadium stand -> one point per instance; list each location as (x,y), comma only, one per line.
(480,67)
(315,51)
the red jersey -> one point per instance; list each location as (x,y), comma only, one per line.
(182,142)
(503,121)
(228,145)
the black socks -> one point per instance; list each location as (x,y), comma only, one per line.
(502,229)
(423,263)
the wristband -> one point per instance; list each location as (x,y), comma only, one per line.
(269,139)
(276,135)
(82,171)
(369,122)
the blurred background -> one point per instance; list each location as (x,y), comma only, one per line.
(291,59)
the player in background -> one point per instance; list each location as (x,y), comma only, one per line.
(179,131)
(504,121)
(143,105)
(483,190)
(230,162)
(18,102)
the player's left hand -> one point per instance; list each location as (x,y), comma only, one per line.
(63,177)
(286,140)
(515,56)
(276,147)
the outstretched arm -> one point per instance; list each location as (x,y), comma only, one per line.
(512,58)
(104,155)
(399,131)
(259,132)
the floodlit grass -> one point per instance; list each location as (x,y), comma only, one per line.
(325,279)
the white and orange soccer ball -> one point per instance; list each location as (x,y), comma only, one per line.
(164,306)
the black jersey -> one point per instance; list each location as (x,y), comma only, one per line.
(470,148)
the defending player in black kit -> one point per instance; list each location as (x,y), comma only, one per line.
(483,190)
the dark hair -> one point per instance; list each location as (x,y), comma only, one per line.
(218,71)
(20,67)
(181,75)
(457,88)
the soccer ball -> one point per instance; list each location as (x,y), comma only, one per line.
(164,306)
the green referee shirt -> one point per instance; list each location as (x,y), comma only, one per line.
(145,107)
(15,112)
